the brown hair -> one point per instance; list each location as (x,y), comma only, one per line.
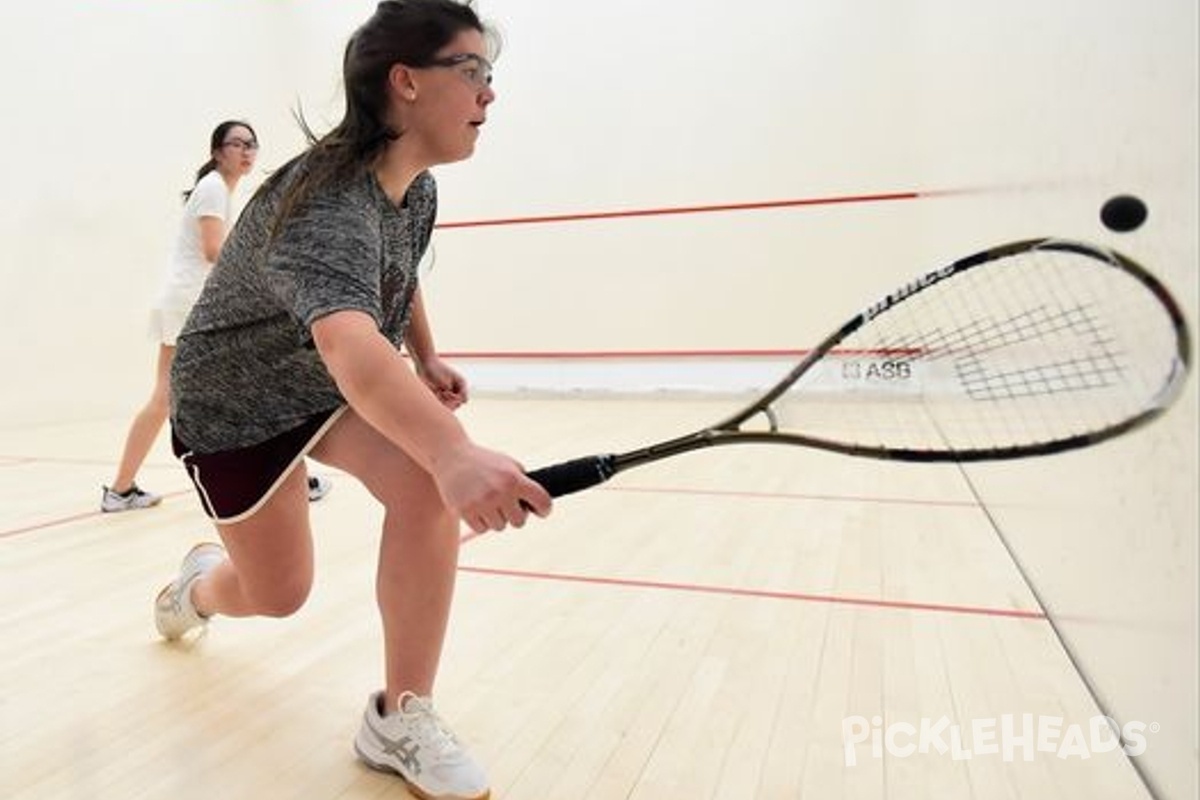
(409,32)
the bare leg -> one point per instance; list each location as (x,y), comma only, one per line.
(418,553)
(146,424)
(270,567)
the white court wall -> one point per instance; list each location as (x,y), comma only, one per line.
(1040,110)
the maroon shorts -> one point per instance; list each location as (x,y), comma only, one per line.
(233,484)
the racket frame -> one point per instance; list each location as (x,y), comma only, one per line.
(581,473)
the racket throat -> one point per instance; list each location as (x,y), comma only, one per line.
(657,452)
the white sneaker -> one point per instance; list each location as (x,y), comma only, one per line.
(131,500)
(318,487)
(174,614)
(415,744)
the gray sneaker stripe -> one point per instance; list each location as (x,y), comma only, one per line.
(404,749)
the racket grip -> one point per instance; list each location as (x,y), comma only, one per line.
(575,475)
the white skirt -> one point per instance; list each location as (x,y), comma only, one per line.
(171,311)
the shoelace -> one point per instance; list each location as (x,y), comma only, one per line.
(433,732)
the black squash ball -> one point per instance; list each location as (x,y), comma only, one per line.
(1123,213)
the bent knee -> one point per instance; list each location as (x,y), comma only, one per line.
(280,600)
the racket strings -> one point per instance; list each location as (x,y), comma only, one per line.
(1098,366)
(966,349)
(1031,347)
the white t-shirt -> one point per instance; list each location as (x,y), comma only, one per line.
(187,269)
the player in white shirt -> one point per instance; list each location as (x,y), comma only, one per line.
(207,216)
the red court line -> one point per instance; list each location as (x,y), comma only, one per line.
(789,353)
(632,354)
(644,584)
(50,523)
(57,521)
(760,593)
(702,209)
(14,461)
(668,490)
(835,498)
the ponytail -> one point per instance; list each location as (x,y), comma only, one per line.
(208,167)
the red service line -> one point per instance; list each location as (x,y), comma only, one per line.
(789,353)
(67,520)
(702,209)
(50,523)
(517,355)
(825,498)
(732,591)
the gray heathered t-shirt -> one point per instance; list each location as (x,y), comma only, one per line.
(246,368)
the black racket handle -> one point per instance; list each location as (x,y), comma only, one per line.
(575,475)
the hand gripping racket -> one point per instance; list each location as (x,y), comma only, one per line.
(1026,349)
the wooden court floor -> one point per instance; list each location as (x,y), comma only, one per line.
(716,626)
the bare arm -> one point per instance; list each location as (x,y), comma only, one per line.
(485,488)
(419,336)
(442,379)
(212,236)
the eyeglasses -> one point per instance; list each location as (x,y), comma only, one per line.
(241,144)
(474,69)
